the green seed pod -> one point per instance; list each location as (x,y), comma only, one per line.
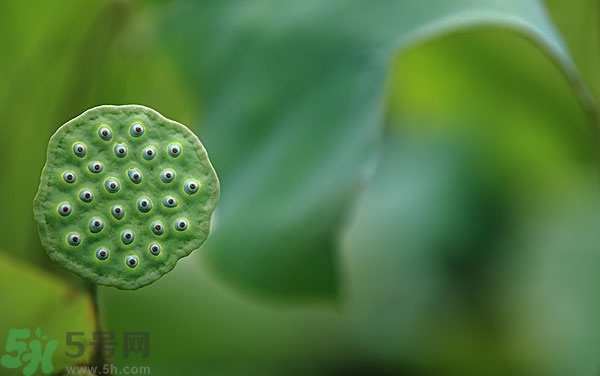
(113,160)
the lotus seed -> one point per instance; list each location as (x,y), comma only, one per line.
(117,211)
(86,195)
(154,248)
(135,175)
(136,130)
(191,186)
(96,225)
(105,133)
(69,177)
(79,149)
(127,236)
(144,204)
(112,185)
(167,176)
(96,167)
(102,253)
(120,150)
(181,224)
(131,261)
(157,228)
(74,239)
(174,150)
(149,153)
(65,209)
(170,202)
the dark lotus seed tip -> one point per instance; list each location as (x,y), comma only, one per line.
(79,149)
(131,261)
(86,195)
(120,150)
(157,228)
(65,209)
(134,175)
(154,248)
(74,239)
(112,185)
(149,153)
(69,177)
(191,186)
(102,253)
(96,225)
(117,211)
(170,202)
(127,237)
(167,176)
(174,150)
(181,224)
(105,133)
(136,130)
(96,167)
(144,204)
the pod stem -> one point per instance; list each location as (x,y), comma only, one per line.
(97,360)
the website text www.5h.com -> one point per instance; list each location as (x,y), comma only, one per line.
(107,369)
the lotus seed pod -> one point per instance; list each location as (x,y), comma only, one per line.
(124,194)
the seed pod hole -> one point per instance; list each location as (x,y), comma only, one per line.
(104,133)
(69,177)
(86,195)
(96,225)
(167,176)
(132,261)
(135,175)
(154,249)
(65,209)
(181,224)
(96,167)
(117,211)
(127,237)
(144,204)
(74,239)
(191,186)
(170,202)
(112,185)
(102,253)
(174,150)
(79,150)
(157,228)
(149,153)
(120,150)
(136,130)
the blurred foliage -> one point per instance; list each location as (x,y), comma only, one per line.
(408,187)
(580,26)
(33,299)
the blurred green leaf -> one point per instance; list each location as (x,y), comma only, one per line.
(579,23)
(41,90)
(292,97)
(32,299)
(197,327)
(485,137)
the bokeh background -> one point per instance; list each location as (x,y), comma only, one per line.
(408,187)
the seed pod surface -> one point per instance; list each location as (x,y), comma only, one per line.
(138,169)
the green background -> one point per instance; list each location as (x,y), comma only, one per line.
(407,187)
